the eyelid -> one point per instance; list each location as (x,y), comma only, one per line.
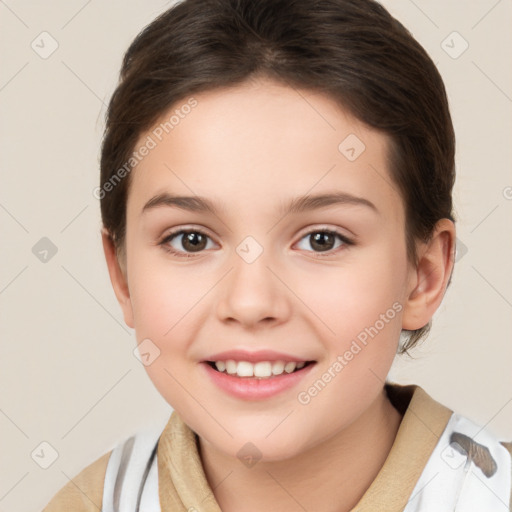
(185,228)
(333,229)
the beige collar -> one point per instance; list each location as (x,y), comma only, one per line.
(183,486)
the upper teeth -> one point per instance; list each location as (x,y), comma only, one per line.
(260,369)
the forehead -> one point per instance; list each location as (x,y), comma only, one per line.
(253,147)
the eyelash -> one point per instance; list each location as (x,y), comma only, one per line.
(165,242)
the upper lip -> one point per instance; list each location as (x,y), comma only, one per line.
(254,357)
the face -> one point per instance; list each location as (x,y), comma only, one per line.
(321,283)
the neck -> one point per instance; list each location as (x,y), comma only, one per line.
(331,477)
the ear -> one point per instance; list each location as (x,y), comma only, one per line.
(118,277)
(429,279)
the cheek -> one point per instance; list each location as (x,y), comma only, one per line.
(361,324)
(351,298)
(167,300)
(360,307)
(164,301)
(161,294)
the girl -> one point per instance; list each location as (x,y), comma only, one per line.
(275,191)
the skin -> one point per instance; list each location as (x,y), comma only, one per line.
(251,149)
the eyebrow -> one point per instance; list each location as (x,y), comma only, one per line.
(296,205)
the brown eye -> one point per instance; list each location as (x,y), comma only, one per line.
(193,241)
(324,241)
(184,243)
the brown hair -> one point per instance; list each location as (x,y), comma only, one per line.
(352,50)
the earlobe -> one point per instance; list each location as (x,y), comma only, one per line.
(118,277)
(428,281)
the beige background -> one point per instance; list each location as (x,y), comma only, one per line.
(68,374)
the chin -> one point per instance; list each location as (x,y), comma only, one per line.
(251,448)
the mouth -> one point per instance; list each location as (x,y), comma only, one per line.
(259,379)
(260,370)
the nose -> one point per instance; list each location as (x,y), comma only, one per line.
(251,294)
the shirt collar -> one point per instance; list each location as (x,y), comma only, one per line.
(183,485)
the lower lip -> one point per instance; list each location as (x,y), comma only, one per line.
(252,388)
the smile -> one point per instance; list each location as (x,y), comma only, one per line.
(259,370)
(256,381)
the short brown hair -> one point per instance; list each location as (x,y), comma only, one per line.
(354,51)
